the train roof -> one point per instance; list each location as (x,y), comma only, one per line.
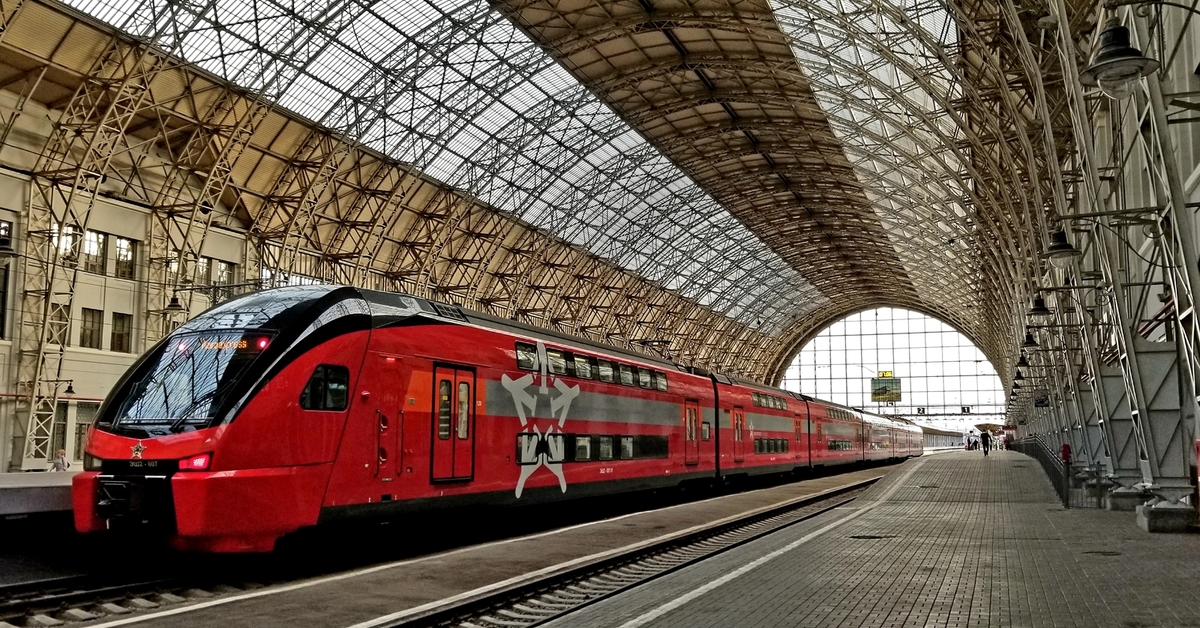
(456,314)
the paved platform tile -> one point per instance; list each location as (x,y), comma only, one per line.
(948,541)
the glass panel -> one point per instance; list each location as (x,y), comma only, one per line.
(85,414)
(313,394)
(337,388)
(606,447)
(557,361)
(660,381)
(526,356)
(644,378)
(125,258)
(122,328)
(464,410)
(706,431)
(95,252)
(626,374)
(91,323)
(583,447)
(556,447)
(606,370)
(583,367)
(626,447)
(444,405)
(527,446)
(188,379)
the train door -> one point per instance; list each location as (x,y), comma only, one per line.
(453,451)
(389,421)
(691,432)
(739,434)
(798,428)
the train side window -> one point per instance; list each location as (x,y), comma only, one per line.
(650,447)
(557,361)
(606,447)
(583,367)
(626,448)
(444,390)
(327,389)
(583,447)
(527,448)
(645,379)
(606,370)
(626,375)
(705,431)
(784,446)
(660,381)
(526,356)
(556,447)
(757,446)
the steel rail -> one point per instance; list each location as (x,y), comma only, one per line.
(538,601)
(21,600)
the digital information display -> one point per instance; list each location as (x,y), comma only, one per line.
(224,345)
(885,389)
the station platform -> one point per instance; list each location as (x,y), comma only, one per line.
(29,493)
(949,540)
(946,540)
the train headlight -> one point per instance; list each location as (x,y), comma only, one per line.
(198,462)
(91,463)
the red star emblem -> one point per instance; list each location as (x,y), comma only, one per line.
(137,450)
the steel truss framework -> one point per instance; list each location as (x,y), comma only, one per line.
(316,204)
(1119,372)
(719,179)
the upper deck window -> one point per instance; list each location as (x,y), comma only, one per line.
(606,370)
(556,361)
(627,375)
(526,356)
(660,381)
(583,367)
(645,379)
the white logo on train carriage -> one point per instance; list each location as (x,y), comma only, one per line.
(541,447)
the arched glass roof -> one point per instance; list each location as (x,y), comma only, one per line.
(454,89)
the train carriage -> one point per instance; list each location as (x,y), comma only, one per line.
(290,407)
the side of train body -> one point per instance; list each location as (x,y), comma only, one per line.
(295,406)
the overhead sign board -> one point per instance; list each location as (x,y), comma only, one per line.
(885,389)
(885,374)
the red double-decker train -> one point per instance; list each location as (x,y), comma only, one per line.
(295,406)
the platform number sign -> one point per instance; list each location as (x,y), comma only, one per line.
(920,410)
(966,409)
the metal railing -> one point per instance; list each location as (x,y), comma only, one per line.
(1077,485)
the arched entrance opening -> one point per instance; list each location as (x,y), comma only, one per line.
(899,362)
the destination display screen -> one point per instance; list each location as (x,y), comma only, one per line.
(225,343)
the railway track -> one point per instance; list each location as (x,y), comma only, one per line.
(86,597)
(537,602)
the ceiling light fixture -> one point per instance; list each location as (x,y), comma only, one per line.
(1117,66)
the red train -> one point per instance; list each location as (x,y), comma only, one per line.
(295,406)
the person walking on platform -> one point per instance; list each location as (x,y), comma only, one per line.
(60,460)
(985,439)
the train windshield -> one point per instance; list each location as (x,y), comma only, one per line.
(189,378)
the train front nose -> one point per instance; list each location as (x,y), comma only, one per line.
(129,482)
